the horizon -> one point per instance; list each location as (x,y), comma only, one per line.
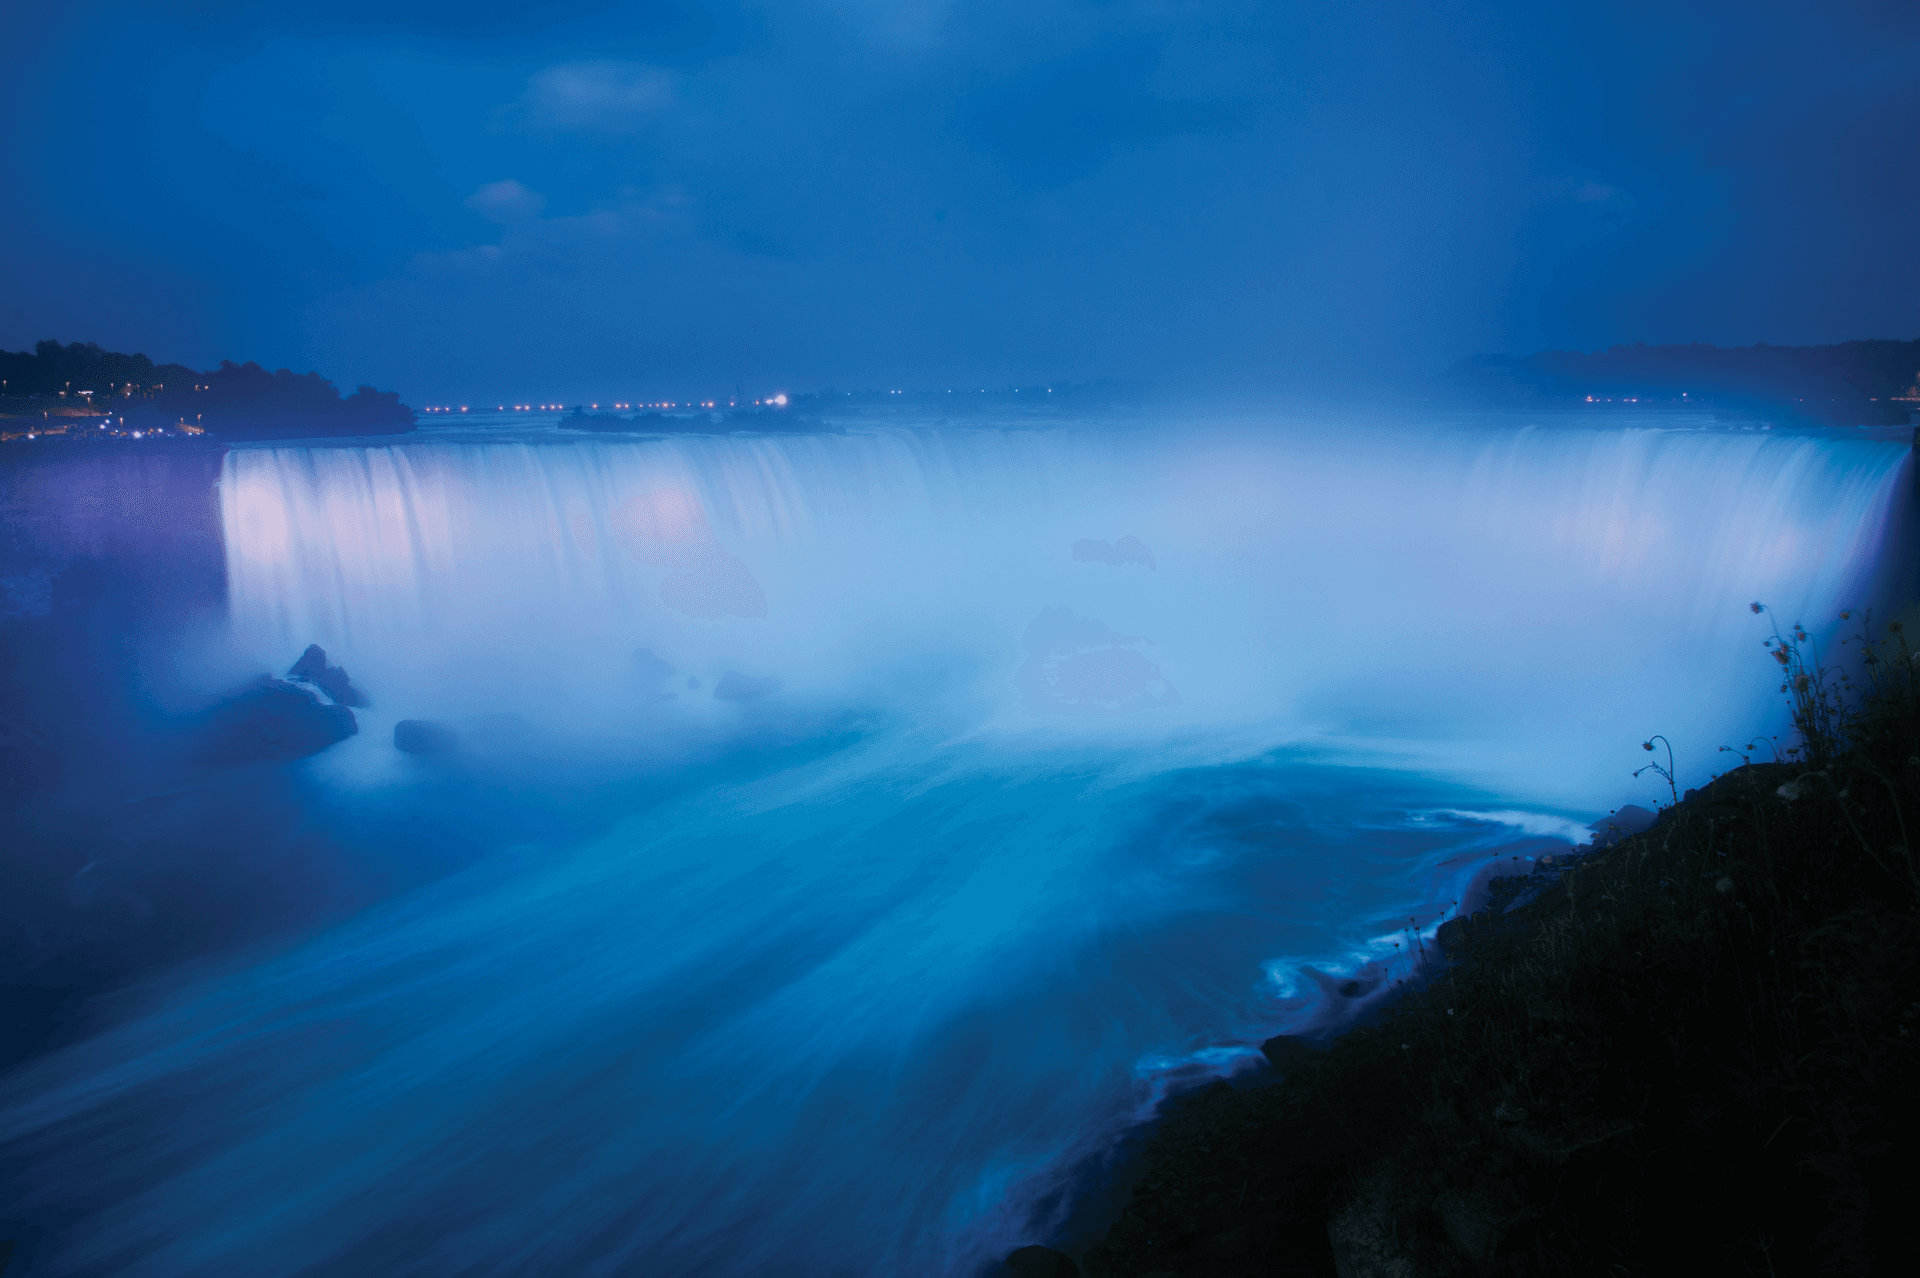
(1404,390)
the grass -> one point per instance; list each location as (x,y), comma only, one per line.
(1692,1052)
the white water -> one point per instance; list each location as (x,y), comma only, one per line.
(998,830)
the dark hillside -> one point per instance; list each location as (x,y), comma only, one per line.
(234,401)
(1694,1052)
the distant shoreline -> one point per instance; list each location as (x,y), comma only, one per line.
(1873,383)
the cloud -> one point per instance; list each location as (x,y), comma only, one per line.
(566,244)
(611,96)
(506,201)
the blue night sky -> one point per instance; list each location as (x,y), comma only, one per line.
(575,200)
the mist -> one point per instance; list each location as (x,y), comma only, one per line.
(841,841)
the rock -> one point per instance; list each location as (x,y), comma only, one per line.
(311,663)
(1082,666)
(1289,1053)
(313,668)
(420,736)
(1232,1244)
(738,687)
(1629,820)
(1042,1262)
(273,719)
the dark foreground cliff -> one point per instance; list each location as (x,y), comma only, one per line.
(1694,1052)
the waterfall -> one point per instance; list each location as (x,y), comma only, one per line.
(1462,592)
(957,792)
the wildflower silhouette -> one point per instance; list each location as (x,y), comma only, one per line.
(1829,710)
(1667,771)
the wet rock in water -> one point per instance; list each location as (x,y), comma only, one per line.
(313,668)
(273,719)
(420,736)
(1082,666)
(734,686)
(311,663)
(1041,1262)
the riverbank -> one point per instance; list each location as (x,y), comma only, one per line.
(1691,1052)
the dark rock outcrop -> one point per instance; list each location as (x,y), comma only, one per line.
(1622,823)
(1041,1262)
(273,719)
(313,668)
(1289,1052)
(419,736)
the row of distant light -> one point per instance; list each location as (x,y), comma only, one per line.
(123,421)
(777,400)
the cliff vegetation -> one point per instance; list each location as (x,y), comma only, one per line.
(1690,1052)
(233,401)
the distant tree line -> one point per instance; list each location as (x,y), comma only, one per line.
(1851,383)
(237,401)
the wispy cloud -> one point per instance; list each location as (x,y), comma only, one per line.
(567,241)
(506,201)
(614,97)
